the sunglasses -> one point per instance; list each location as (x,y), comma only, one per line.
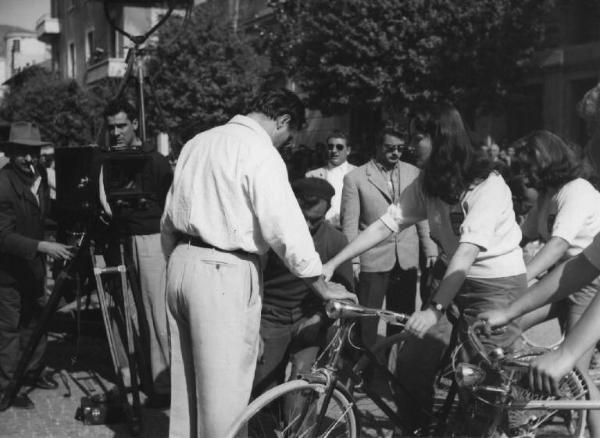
(338,146)
(394,147)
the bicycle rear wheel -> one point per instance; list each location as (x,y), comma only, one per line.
(292,410)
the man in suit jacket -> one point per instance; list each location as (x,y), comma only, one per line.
(337,167)
(390,268)
(24,204)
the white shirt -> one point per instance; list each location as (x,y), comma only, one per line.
(231,189)
(571,213)
(335,177)
(483,217)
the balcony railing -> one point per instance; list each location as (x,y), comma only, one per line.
(47,28)
(107,68)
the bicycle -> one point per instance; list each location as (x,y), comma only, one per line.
(496,382)
(318,404)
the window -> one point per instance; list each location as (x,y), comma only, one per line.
(118,40)
(71,61)
(90,45)
(16,46)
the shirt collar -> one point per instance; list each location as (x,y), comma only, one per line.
(342,166)
(382,168)
(253,125)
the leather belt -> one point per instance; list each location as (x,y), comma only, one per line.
(198,242)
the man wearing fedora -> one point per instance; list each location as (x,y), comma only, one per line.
(24,205)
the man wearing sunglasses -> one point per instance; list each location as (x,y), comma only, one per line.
(337,167)
(390,268)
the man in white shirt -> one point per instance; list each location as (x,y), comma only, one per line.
(337,167)
(229,203)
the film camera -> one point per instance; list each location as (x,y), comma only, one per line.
(78,169)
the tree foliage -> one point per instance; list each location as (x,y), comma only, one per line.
(390,53)
(66,114)
(203,72)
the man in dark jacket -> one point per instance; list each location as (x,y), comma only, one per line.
(24,204)
(142,178)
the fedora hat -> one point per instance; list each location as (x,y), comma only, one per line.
(25,134)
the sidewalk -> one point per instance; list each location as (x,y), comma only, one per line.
(54,413)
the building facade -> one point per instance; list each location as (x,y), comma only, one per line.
(85,46)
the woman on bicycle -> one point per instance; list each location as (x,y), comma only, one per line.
(471,217)
(566,217)
(470,213)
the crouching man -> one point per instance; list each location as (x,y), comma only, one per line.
(293,326)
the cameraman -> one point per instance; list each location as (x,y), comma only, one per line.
(141,224)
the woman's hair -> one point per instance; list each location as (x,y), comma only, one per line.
(551,161)
(454,165)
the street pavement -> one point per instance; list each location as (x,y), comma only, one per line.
(54,414)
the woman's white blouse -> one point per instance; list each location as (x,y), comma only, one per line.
(483,217)
(571,213)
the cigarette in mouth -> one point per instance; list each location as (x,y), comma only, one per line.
(32,169)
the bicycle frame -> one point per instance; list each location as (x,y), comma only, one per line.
(345,312)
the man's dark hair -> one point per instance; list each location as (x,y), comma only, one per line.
(276,103)
(120,105)
(337,133)
(393,131)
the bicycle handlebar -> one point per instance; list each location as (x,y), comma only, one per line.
(343,310)
(473,332)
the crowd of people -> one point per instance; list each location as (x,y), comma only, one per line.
(236,250)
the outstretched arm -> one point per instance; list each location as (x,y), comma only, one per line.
(559,283)
(546,372)
(459,266)
(371,236)
(546,257)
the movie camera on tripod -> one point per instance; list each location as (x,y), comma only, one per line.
(79,210)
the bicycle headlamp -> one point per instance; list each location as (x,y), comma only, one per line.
(468,375)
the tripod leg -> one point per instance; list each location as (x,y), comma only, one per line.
(129,312)
(142,341)
(103,300)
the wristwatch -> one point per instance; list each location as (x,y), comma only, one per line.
(437,306)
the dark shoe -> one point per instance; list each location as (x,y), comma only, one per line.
(22,401)
(158,401)
(43,381)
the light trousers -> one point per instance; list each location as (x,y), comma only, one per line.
(151,269)
(214,302)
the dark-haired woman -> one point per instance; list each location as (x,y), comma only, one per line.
(470,213)
(566,217)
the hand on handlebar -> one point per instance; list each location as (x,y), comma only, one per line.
(494,319)
(546,371)
(421,321)
(336,291)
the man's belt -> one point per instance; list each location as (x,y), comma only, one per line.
(200,243)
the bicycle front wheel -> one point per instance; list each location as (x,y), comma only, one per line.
(293,409)
(548,423)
